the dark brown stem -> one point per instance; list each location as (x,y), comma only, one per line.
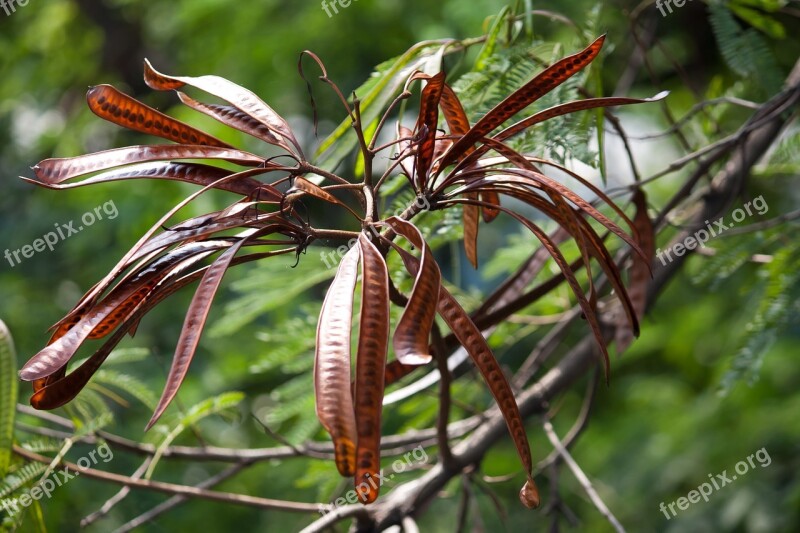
(440,353)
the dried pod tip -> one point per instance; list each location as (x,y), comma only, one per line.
(529,494)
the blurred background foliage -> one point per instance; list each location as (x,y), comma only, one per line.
(713,379)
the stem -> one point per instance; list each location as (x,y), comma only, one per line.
(342,235)
(362,141)
(172,488)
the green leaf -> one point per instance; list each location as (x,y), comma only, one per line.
(375,94)
(777,311)
(42,445)
(770,6)
(758,20)
(133,386)
(8,396)
(745,51)
(20,478)
(491,40)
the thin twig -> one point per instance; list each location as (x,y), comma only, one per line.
(765,224)
(581,477)
(391,446)
(172,488)
(463,505)
(177,500)
(544,348)
(118,497)
(577,428)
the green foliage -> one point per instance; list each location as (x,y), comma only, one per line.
(20,477)
(17,482)
(220,404)
(773,292)
(784,160)
(745,51)
(674,429)
(777,308)
(753,11)
(375,94)
(8,396)
(268,287)
(111,385)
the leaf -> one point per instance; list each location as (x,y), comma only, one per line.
(757,19)
(233,117)
(586,307)
(60,391)
(571,107)
(8,396)
(334,402)
(302,184)
(60,387)
(413,331)
(427,123)
(545,82)
(373,343)
(453,111)
(745,51)
(360,168)
(489,46)
(406,149)
(471,338)
(640,270)
(470,219)
(58,170)
(193,327)
(114,106)
(241,98)
(129,384)
(374,96)
(188,172)
(266,290)
(22,476)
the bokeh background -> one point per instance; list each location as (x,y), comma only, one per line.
(655,433)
